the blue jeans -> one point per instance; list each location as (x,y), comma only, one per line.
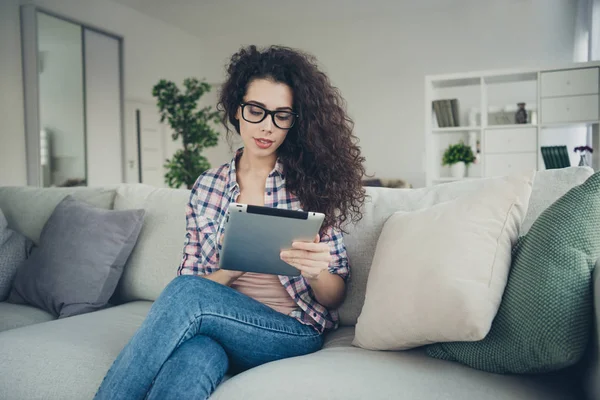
(195,332)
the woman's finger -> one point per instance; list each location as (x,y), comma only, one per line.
(313,247)
(308,272)
(307,263)
(307,255)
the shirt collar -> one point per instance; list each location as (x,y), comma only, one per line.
(232,181)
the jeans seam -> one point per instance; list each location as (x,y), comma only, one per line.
(316,334)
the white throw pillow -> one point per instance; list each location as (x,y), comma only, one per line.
(438,274)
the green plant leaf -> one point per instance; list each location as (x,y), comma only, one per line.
(458,152)
(194,126)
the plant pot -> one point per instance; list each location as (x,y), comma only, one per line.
(458,170)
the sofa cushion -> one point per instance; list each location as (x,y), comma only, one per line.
(461,251)
(17,315)
(67,358)
(591,365)
(361,239)
(340,371)
(27,209)
(14,250)
(548,301)
(81,256)
(155,258)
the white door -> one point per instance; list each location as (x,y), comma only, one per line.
(145,144)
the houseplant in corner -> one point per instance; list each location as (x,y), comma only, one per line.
(189,123)
(458,156)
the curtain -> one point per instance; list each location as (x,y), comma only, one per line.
(595,31)
(587,31)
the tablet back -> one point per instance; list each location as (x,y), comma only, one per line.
(254,237)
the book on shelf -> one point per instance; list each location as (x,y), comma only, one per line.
(555,157)
(447,112)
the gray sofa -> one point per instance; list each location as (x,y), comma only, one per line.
(42,358)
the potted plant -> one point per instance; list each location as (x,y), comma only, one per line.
(458,156)
(190,124)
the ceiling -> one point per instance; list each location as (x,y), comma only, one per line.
(202,17)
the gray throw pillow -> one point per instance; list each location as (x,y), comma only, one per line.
(14,249)
(80,259)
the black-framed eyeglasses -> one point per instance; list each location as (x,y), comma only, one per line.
(255,114)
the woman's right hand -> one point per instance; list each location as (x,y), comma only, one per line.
(233,274)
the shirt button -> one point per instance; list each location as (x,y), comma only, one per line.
(314,315)
(268,193)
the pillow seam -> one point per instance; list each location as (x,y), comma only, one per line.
(506,218)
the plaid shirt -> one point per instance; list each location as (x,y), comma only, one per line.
(205,212)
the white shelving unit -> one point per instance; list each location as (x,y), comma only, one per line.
(563,109)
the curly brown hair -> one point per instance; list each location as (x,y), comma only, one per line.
(322,162)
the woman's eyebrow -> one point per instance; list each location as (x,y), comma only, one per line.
(258,103)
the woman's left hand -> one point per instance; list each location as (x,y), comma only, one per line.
(310,258)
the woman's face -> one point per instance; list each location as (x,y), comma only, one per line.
(262,139)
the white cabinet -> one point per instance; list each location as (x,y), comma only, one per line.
(510,140)
(569,82)
(559,105)
(570,95)
(570,109)
(506,164)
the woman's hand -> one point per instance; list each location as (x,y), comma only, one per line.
(233,274)
(310,258)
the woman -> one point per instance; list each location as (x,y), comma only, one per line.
(299,152)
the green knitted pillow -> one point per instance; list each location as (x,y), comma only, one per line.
(545,318)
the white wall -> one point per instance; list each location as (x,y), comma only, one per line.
(378,53)
(152,50)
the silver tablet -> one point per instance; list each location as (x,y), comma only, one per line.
(254,237)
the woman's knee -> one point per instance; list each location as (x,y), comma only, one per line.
(183,284)
(185,288)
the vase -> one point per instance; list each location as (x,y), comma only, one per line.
(582,160)
(458,170)
(521,115)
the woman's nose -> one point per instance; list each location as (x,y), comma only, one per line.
(267,124)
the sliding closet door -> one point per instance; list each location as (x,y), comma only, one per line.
(103,109)
(61,102)
(73,88)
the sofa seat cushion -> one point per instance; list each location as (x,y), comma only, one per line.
(341,371)
(16,315)
(67,358)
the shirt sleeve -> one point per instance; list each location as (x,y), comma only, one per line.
(339,264)
(202,212)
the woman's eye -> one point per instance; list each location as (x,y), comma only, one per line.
(255,110)
(283,117)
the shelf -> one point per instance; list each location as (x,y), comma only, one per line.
(456,82)
(511,126)
(450,179)
(510,78)
(456,129)
(569,124)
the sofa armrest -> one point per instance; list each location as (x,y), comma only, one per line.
(592,373)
